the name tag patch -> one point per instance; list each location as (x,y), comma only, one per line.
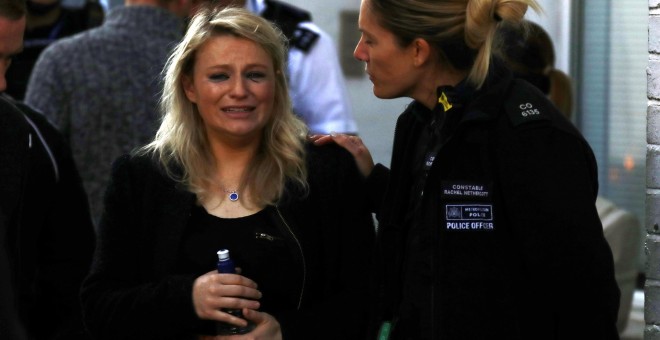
(467,205)
(465,190)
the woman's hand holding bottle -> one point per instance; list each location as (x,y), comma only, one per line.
(214,291)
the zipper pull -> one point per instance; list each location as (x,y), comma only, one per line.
(264,236)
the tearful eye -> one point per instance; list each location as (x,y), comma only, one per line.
(256,76)
(218,77)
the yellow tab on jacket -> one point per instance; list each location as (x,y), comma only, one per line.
(444,101)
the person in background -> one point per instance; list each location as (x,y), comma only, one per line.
(528,51)
(488,227)
(46,232)
(48,21)
(315,77)
(101,87)
(530,54)
(230,168)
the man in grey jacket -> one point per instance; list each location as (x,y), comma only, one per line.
(100,87)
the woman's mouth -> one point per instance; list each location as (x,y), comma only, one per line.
(238,109)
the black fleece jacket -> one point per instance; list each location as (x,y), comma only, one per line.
(133,291)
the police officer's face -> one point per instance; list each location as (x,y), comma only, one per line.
(233,85)
(11,43)
(390,67)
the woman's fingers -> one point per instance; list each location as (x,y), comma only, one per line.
(231,279)
(352,144)
(213,292)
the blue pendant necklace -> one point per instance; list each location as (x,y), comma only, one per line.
(232,195)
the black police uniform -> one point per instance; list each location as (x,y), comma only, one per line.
(488,228)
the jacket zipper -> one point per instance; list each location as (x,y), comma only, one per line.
(459,128)
(302,255)
(264,236)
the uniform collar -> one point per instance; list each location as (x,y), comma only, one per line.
(450,100)
(472,104)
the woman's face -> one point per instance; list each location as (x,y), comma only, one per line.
(389,66)
(233,85)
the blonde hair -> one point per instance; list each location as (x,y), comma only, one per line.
(462,30)
(181,138)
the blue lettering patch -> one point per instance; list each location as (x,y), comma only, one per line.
(469,217)
(469,212)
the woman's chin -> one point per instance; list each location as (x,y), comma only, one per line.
(381,94)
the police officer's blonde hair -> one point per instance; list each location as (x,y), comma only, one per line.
(462,30)
(182,137)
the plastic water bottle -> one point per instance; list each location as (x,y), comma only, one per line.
(226,266)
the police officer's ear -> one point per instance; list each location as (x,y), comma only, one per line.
(421,51)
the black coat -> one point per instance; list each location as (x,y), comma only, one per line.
(507,242)
(47,232)
(133,293)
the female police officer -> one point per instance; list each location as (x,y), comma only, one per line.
(487,225)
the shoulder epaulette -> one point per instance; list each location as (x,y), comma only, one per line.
(527,104)
(303,39)
(288,19)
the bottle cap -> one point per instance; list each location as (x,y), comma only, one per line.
(223,254)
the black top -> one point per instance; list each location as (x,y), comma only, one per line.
(255,245)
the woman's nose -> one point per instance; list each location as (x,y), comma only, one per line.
(359,53)
(239,88)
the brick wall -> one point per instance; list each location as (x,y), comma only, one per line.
(652,285)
